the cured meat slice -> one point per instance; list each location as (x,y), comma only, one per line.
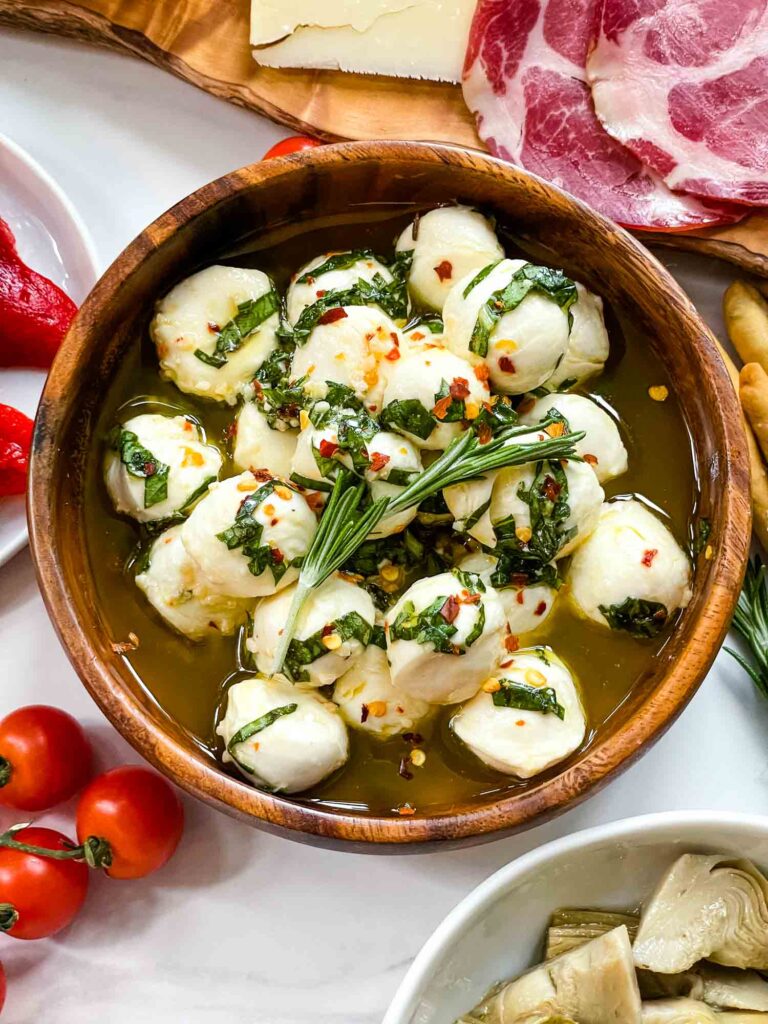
(525,81)
(684,85)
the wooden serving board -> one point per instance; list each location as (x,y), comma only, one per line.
(206,42)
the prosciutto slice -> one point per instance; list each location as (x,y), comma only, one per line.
(525,81)
(684,84)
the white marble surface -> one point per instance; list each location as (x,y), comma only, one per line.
(242,926)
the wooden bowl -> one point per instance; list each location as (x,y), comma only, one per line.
(274,197)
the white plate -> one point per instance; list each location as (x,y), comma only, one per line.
(496,931)
(53,240)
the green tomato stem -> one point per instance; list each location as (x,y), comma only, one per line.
(6,771)
(9,915)
(96,852)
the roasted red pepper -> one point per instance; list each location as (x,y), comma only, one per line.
(34,312)
(15,442)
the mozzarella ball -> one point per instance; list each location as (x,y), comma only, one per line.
(602,447)
(524,347)
(631,555)
(517,741)
(450,242)
(305,293)
(369,701)
(293,750)
(391,456)
(175,588)
(418,380)
(457,611)
(588,344)
(258,446)
(274,516)
(584,498)
(357,350)
(525,607)
(190,318)
(173,461)
(332,631)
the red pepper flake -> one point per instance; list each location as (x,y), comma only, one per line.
(520,722)
(540,608)
(417,336)
(467,598)
(440,410)
(459,388)
(274,522)
(327,629)
(591,459)
(648,557)
(506,664)
(261,474)
(213,328)
(506,365)
(482,372)
(309,279)
(231,432)
(444,270)
(484,433)
(364,712)
(378,461)
(406,810)
(520,598)
(321,293)
(450,609)
(413,737)
(393,355)
(550,488)
(332,315)
(150,468)
(403,770)
(395,339)
(277,556)
(328,448)
(315,500)
(518,579)
(511,643)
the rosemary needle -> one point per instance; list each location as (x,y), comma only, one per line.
(751,620)
(343,528)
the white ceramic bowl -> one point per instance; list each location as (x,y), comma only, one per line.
(497,930)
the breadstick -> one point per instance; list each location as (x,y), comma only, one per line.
(753,392)
(746,317)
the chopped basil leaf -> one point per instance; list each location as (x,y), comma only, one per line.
(637,616)
(470,580)
(378,637)
(140,462)
(311,485)
(476,515)
(410,416)
(400,477)
(250,315)
(196,494)
(431,322)
(528,698)
(495,417)
(258,725)
(552,283)
(338,261)
(480,276)
(301,653)
(701,535)
(246,533)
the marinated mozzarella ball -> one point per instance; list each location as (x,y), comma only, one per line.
(331,272)
(247,534)
(575,485)
(157,466)
(282,738)
(443,637)
(448,243)
(602,448)
(215,329)
(525,607)
(469,504)
(525,346)
(394,463)
(631,573)
(369,701)
(428,395)
(527,719)
(175,588)
(356,349)
(332,631)
(259,446)
(588,344)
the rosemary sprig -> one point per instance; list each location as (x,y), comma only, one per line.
(751,620)
(343,528)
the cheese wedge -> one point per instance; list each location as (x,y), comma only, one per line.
(399,38)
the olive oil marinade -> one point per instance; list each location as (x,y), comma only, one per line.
(186,679)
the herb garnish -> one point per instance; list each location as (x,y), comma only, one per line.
(636,616)
(246,533)
(338,261)
(528,698)
(552,283)
(410,416)
(250,315)
(701,535)
(256,726)
(431,322)
(751,621)
(435,623)
(140,462)
(301,653)
(353,424)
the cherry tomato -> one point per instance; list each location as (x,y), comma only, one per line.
(137,813)
(3,987)
(45,757)
(294,144)
(39,895)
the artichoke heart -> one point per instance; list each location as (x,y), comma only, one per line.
(705,907)
(594,984)
(569,929)
(678,1011)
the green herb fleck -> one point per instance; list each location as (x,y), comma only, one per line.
(528,698)
(301,653)
(408,416)
(701,535)
(338,261)
(140,462)
(250,315)
(636,616)
(258,725)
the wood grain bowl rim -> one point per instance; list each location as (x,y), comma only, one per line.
(307,822)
